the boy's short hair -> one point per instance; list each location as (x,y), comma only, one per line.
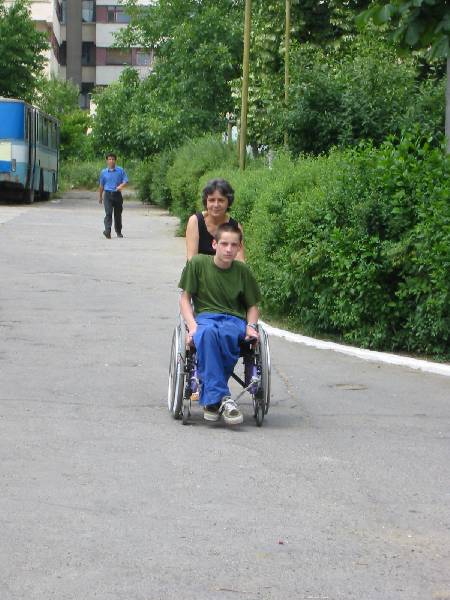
(112,155)
(231,227)
(218,184)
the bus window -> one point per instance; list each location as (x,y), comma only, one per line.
(53,136)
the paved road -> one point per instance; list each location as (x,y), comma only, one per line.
(343,494)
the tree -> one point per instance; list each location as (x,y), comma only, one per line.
(366,92)
(57,97)
(198,45)
(113,134)
(418,25)
(21,51)
(60,99)
(326,24)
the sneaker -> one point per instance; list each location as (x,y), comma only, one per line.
(119,235)
(107,235)
(211,412)
(230,412)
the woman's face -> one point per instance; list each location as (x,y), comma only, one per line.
(216,204)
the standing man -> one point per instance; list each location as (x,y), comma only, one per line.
(112,181)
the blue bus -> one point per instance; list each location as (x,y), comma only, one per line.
(29,151)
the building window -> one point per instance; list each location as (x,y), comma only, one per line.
(143,59)
(116,14)
(88,11)
(117,56)
(63,11)
(62,54)
(58,8)
(88,54)
(85,95)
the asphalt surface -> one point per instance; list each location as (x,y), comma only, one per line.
(344,493)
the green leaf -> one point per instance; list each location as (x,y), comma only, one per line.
(383,14)
(441,48)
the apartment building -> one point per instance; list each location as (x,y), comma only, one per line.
(81,36)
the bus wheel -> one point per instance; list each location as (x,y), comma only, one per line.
(43,195)
(28,196)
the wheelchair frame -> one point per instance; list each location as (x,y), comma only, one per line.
(183,385)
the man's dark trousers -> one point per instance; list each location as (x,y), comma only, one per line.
(113,201)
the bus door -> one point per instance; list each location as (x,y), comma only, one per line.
(31,138)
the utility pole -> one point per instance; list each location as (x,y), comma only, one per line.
(245,72)
(287,39)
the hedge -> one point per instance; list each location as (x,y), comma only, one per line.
(355,244)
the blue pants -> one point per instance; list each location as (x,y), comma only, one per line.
(217,342)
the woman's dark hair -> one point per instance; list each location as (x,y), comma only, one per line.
(218,184)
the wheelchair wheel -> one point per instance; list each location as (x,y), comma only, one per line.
(186,412)
(262,399)
(176,372)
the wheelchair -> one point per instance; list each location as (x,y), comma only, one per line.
(184,385)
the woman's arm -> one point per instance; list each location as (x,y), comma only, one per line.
(192,237)
(241,254)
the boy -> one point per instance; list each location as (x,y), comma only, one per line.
(225,296)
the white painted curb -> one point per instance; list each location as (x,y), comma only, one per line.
(392,359)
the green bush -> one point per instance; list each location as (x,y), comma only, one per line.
(75,144)
(248,183)
(144,175)
(85,174)
(80,174)
(355,244)
(152,181)
(361,247)
(364,93)
(190,162)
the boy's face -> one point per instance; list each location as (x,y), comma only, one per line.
(227,248)
(111,162)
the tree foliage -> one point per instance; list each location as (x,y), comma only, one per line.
(198,50)
(21,48)
(60,99)
(417,23)
(420,25)
(324,25)
(57,97)
(367,92)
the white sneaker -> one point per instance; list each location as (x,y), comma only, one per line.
(230,412)
(211,412)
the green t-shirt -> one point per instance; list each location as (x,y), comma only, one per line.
(228,291)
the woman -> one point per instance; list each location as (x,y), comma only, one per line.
(217,196)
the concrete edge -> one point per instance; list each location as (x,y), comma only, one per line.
(371,355)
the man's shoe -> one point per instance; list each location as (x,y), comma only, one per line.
(119,235)
(230,412)
(211,412)
(107,235)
